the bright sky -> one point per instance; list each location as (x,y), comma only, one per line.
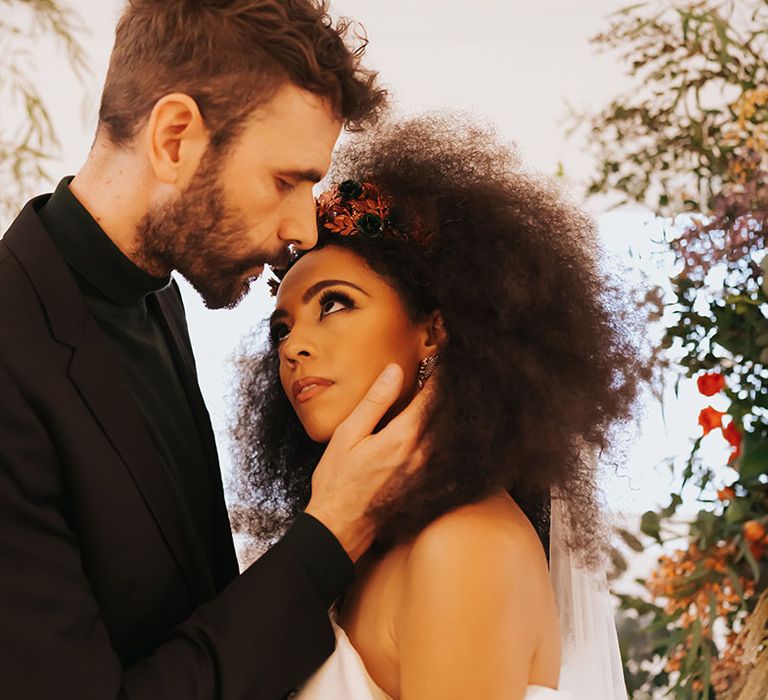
(516,64)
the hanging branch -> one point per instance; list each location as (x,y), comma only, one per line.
(28,138)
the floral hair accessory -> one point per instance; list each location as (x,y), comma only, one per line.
(360,208)
(354,208)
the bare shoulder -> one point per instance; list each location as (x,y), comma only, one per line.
(477,612)
(493,533)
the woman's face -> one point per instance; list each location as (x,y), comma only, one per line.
(337,326)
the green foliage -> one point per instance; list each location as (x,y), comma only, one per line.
(27,134)
(690,140)
(664,143)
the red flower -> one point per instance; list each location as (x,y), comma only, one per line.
(757,549)
(726,494)
(710,418)
(711,383)
(732,434)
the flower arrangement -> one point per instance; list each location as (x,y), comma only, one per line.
(673,146)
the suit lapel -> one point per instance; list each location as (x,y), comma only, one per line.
(171,315)
(99,377)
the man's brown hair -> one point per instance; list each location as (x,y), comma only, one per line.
(231,56)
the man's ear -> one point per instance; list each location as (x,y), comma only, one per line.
(177,138)
(435,335)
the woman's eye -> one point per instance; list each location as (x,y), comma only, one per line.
(278,333)
(331,306)
(333,302)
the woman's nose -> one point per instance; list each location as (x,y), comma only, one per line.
(297,347)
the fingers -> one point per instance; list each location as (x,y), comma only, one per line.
(419,457)
(367,414)
(413,417)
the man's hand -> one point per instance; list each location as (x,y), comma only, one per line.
(357,464)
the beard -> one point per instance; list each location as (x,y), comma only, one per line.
(204,239)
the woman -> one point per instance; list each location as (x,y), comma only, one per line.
(436,250)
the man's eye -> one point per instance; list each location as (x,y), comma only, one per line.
(284,185)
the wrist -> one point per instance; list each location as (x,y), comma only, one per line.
(354,537)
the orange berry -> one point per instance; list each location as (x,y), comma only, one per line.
(754,530)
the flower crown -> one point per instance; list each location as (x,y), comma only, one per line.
(354,208)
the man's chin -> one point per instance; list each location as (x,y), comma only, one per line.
(217,302)
(228,297)
(216,299)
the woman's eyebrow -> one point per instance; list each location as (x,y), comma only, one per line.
(318,287)
(311,293)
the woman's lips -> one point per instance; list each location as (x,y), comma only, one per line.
(305,389)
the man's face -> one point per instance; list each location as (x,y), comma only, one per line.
(244,207)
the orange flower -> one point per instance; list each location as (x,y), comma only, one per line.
(726,494)
(732,434)
(754,531)
(710,418)
(711,383)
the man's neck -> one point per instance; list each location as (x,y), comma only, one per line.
(109,187)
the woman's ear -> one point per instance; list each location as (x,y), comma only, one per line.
(435,336)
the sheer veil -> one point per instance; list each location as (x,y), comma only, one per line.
(591,663)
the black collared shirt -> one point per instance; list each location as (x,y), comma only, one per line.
(117,292)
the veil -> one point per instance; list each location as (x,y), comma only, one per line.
(591,663)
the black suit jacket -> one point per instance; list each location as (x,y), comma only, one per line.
(105,590)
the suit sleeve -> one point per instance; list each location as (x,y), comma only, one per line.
(261,637)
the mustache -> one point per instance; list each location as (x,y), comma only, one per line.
(281,259)
(278,260)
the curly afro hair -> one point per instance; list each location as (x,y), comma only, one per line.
(540,365)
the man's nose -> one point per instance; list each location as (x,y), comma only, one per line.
(299,226)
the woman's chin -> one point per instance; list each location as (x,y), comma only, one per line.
(320,433)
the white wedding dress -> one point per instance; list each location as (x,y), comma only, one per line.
(591,663)
(344,677)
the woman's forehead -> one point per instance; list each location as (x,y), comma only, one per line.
(330,262)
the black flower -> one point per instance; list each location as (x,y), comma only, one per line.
(370,225)
(349,189)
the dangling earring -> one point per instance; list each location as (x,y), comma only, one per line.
(426,367)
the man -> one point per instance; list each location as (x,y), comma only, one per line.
(119,576)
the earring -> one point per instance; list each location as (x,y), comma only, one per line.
(426,367)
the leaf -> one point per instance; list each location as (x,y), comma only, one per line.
(619,562)
(735,581)
(628,9)
(651,525)
(754,460)
(671,509)
(630,540)
(712,609)
(746,553)
(738,511)
(693,651)
(706,670)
